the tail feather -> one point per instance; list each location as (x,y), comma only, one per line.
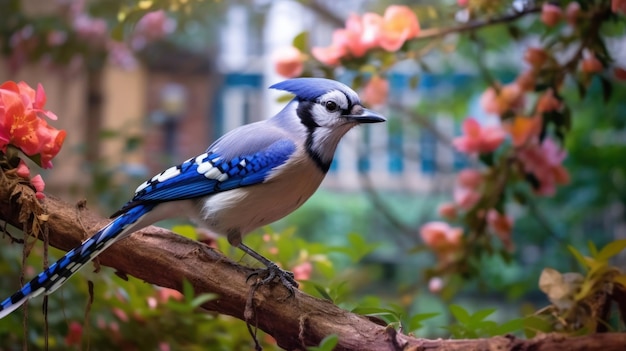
(58,273)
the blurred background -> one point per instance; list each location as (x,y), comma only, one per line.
(182,77)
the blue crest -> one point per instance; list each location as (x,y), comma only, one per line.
(312,88)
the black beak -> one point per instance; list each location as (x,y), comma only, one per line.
(366,116)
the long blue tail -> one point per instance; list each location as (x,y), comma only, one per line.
(58,273)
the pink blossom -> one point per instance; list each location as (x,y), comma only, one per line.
(303,271)
(376,91)
(550,14)
(441,237)
(508,97)
(465,198)
(545,163)
(399,25)
(74,334)
(92,30)
(331,55)
(465,192)
(548,102)
(477,139)
(469,178)
(152,26)
(359,35)
(447,211)
(155,25)
(23,170)
(618,6)
(288,62)
(38,183)
(502,226)
(435,285)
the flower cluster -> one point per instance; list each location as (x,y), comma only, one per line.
(370,31)
(23,126)
(361,34)
(84,31)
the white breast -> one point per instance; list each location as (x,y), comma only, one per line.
(237,212)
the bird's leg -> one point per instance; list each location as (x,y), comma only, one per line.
(272,271)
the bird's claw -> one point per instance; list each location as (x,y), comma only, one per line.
(272,272)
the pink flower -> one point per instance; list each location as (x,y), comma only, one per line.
(23,170)
(38,183)
(572,13)
(435,285)
(550,14)
(155,25)
(447,211)
(477,139)
(618,6)
(21,125)
(590,64)
(469,178)
(465,191)
(165,294)
(508,97)
(303,271)
(331,55)
(465,198)
(440,237)
(544,162)
(548,102)
(399,25)
(288,62)
(502,226)
(74,334)
(376,91)
(499,223)
(359,36)
(525,129)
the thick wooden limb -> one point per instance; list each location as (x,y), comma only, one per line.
(163,258)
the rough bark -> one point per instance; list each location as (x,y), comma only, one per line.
(163,258)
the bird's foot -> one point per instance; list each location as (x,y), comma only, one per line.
(267,275)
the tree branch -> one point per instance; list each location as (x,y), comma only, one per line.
(160,257)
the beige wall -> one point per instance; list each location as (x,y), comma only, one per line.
(124,109)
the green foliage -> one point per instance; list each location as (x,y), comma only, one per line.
(327,344)
(473,326)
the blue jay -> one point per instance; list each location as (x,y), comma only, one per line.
(248,178)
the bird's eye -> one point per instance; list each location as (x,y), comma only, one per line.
(331,106)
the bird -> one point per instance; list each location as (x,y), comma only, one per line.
(250,177)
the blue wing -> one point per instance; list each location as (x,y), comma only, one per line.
(210,173)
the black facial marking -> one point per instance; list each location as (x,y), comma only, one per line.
(304,111)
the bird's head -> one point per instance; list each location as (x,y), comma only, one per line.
(328,109)
(327,103)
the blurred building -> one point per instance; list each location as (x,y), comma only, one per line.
(177,102)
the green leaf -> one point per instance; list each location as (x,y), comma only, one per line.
(416,321)
(593,250)
(579,257)
(481,315)
(301,41)
(534,324)
(376,311)
(460,314)
(201,299)
(611,249)
(322,291)
(510,327)
(327,344)
(186,230)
